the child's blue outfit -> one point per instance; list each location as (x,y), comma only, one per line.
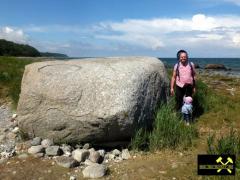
(187,112)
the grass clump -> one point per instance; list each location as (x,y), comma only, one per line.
(169,131)
(206,100)
(229,144)
(141,140)
(11,72)
(225,144)
(200,104)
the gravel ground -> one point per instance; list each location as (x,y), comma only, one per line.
(5,116)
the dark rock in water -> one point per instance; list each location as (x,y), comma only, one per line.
(196,66)
(215,66)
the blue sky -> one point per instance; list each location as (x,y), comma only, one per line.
(205,28)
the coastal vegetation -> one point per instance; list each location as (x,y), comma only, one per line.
(57,55)
(216,126)
(169,131)
(9,48)
(214,131)
(228,144)
(11,72)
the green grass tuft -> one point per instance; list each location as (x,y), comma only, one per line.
(11,72)
(229,144)
(140,141)
(169,130)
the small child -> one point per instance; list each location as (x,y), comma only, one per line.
(187,109)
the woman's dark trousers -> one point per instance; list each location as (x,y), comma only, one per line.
(186,90)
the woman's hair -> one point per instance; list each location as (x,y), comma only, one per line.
(181,51)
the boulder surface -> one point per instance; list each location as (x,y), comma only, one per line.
(91,100)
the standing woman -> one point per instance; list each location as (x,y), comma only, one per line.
(184,74)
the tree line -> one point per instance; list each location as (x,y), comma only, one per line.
(8,48)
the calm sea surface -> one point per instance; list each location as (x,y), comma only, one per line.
(233,63)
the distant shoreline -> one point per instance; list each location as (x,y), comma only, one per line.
(169,62)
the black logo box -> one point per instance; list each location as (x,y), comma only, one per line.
(208,164)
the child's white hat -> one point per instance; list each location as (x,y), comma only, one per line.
(188,99)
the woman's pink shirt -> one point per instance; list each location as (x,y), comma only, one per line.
(185,74)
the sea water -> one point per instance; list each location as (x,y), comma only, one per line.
(230,63)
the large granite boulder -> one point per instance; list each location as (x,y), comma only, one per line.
(91,100)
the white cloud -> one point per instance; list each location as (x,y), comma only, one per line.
(237,2)
(163,25)
(213,3)
(166,32)
(201,38)
(211,36)
(202,23)
(149,42)
(13,34)
(152,34)
(199,31)
(236,39)
(58,28)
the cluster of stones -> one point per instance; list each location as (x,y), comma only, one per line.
(92,162)
(9,136)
